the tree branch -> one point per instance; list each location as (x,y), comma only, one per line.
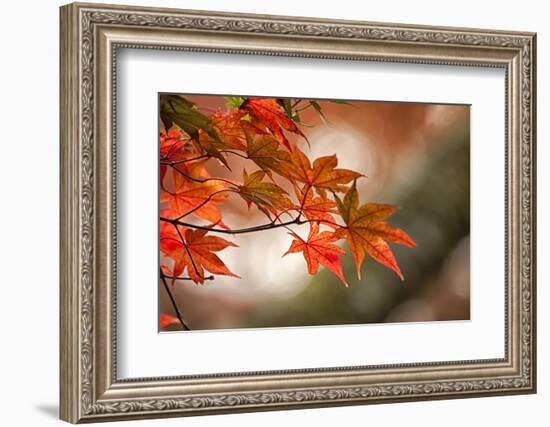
(187,278)
(173,301)
(177,162)
(187,250)
(262,227)
(201,180)
(268,226)
(204,202)
(244,156)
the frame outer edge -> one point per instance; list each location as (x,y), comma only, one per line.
(69,408)
(533,206)
(77,222)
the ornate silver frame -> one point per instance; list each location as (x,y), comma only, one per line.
(90,36)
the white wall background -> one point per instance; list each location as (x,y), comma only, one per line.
(29,170)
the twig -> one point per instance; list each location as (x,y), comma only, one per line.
(244,156)
(204,202)
(177,162)
(187,278)
(187,250)
(201,180)
(262,227)
(176,309)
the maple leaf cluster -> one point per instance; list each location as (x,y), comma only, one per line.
(323,197)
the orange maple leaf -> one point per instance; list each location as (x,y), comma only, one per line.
(267,196)
(268,112)
(175,146)
(233,129)
(165,320)
(319,249)
(172,141)
(323,175)
(199,197)
(195,253)
(265,152)
(316,208)
(366,231)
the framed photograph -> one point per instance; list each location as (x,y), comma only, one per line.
(266,212)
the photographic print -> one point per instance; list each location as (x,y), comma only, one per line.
(300,212)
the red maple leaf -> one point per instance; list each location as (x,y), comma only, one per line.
(323,175)
(165,320)
(193,250)
(268,112)
(319,248)
(197,196)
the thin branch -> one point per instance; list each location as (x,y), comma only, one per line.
(187,250)
(262,227)
(173,301)
(297,110)
(244,156)
(287,212)
(178,162)
(268,226)
(187,278)
(201,180)
(205,201)
(164,161)
(302,204)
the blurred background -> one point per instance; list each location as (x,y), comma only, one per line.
(415,156)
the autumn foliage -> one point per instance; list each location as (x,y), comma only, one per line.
(324,197)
